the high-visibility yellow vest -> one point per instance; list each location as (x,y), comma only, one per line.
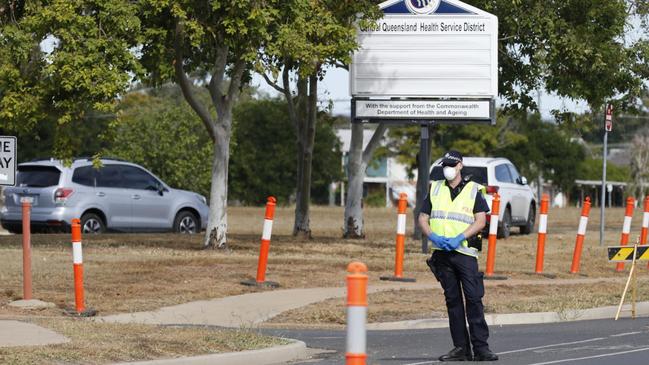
(450,217)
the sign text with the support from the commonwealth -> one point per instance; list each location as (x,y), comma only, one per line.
(416,109)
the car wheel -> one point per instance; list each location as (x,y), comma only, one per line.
(506,225)
(531,219)
(91,223)
(186,223)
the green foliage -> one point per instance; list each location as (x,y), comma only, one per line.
(262,162)
(88,65)
(162,133)
(573,48)
(375,198)
(591,169)
(213,32)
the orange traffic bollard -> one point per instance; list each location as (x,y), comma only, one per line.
(265,248)
(543,229)
(626,228)
(356,314)
(581,232)
(77,262)
(401,239)
(493,232)
(645,223)
(27,248)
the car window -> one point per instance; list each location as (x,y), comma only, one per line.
(84,176)
(475,174)
(502,174)
(37,176)
(109,176)
(136,178)
(513,172)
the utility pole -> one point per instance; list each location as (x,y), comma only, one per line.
(608,126)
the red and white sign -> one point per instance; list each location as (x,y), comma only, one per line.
(609,118)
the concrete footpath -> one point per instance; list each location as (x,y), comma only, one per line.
(249,310)
(246,310)
(16,333)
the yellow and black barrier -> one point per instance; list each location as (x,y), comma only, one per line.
(625,253)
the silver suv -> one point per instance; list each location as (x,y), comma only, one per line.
(119,196)
(517,200)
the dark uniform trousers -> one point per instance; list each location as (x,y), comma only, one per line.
(458,274)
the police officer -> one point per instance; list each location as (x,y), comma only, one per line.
(452,215)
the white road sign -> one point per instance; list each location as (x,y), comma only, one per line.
(7,161)
(426,109)
(427,49)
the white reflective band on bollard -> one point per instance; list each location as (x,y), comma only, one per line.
(77,256)
(645,220)
(626,228)
(583,222)
(493,225)
(268,228)
(356,317)
(401,224)
(543,223)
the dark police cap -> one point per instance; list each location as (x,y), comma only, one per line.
(451,158)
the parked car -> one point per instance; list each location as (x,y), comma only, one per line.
(517,200)
(119,196)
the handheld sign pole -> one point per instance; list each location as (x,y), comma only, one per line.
(608,126)
(633,254)
(632,278)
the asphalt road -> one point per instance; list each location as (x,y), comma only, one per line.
(622,342)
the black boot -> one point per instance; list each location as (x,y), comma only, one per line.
(485,355)
(457,354)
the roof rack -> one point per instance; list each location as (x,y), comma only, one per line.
(87,158)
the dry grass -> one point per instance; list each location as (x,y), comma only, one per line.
(100,343)
(137,272)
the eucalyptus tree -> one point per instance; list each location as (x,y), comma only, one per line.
(308,37)
(209,45)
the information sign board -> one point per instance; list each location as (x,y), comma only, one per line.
(7,161)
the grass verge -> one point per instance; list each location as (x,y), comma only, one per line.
(101,343)
(398,305)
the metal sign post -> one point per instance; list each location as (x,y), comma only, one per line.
(423,178)
(608,126)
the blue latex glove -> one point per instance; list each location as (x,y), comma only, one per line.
(456,241)
(439,241)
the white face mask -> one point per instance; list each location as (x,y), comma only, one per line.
(450,173)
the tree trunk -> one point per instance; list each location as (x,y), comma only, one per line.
(353,225)
(356,166)
(306,135)
(217,225)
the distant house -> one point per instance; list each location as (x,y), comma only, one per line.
(386,175)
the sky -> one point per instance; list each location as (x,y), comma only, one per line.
(335,86)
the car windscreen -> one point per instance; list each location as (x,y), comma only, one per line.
(37,176)
(474,173)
